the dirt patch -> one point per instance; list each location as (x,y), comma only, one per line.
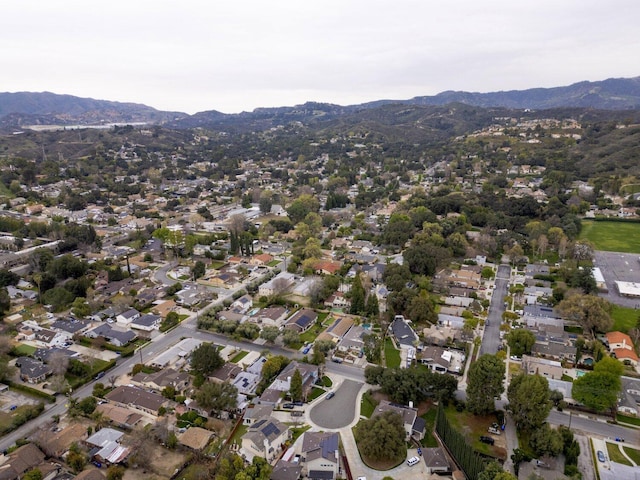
(164,464)
(10,398)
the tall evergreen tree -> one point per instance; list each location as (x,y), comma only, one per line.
(357,297)
(295,389)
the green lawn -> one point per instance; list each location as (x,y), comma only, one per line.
(615,455)
(391,355)
(633,454)
(367,405)
(216,265)
(326,382)
(239,356)
(315,393)
(628,420)
(237,436)
(429,440)
(624,319)
(273,263)
(23,350)
(612,236)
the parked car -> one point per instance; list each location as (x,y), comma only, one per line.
(487,440)
(288,406)
(298,404)
(413,461)
(330,395)
(601,456)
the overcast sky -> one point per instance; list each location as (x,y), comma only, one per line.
(235,55)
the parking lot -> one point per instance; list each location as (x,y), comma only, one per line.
(624,267)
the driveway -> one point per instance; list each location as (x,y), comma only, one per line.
(339,411)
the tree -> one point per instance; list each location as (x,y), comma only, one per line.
(382,437)
(301,207)
(485,383)
(198,270)
(590,312)
(357,297)
(494,471)
(422,310)
(546,441)
(205,359)
(529,401)
(599,389)
(59,384)
(34,474)
(271,368)
(372,308)
(290,337)
(270,333)
(216,397)
(295,388)
(520,341)
(59,362)
(115,472)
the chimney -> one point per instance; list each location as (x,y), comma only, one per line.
(410,403)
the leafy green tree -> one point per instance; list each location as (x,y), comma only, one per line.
(87,405)
(216,397)
(357,297)
(80,307)
(520,341)
(198,270)
(546,441)
(205,359)
(485,383)
(382,437)
(270,333)
(422,310)
(301,207)
(34,474)
(599,389)
(590,312)
(494,471)
(295,388)
(270,370)
(396,276)
(372,308)
(290,337)
(529,401)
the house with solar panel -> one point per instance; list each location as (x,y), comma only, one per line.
(265,438)
(302,320)
(320,455)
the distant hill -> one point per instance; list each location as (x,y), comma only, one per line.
(611,94)
(24,108)
(29,108)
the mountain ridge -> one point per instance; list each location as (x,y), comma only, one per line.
(40,108)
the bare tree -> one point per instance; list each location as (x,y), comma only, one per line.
(59,384)
(112,380)
(58,362)
(236,223)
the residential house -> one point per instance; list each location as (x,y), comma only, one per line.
(320,455)
(352,341)
(49,338)
(91,474)
(285,470)
(403,333)
(32,371)
(629,402)
(71,326)
(256,412)
(442,360)
(414,426)
(243,304)
(105,446)
(226,373)
(327,267)
(542,366)
(138,398)
(114,336)
(450,321)
(158,381)
(554,343)
(278,284)
(621,347)
(265,438)
(128,316)
(302,320)
(436,460)
(21,460)
(119,416)
(260,259)
(271,316)
(337,300)
(337,329)
(147,322)
(309,374)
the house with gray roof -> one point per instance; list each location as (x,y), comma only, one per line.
(320,455)
(402,332)
(146,322)
(31,370)
(302,320)
(265,438)
(115,337)
(138,398)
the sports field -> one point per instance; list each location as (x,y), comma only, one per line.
(612,236)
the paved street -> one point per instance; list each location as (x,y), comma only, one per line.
(339,411)
(491,338)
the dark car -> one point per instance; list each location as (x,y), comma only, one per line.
(487,440)
(330,395)
(288,406)
(298,404)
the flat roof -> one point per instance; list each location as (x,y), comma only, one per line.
(629,289)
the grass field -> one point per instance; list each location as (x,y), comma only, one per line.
(391,355)
(612,236)
(239,356)
(429,440)
(628,420)
(624,319)
(24,350)
(367,405)
(615,455)
(633,454)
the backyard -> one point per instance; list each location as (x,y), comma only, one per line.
(391,354)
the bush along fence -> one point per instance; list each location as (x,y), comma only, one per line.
(466,457)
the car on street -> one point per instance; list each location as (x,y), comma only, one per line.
(330,395)
(601,456)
